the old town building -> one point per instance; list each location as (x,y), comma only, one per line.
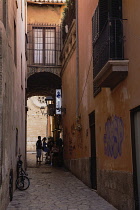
(100,85)
(12,93)
(89,50)
(44,66)
(36,121)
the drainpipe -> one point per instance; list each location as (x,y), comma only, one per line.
(26,17)
(77,62)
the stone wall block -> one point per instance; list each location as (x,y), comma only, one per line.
(114,186)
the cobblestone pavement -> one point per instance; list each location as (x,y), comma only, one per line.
(55,189)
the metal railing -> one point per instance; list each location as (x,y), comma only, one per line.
(109,44)
(69,15)
(44,45)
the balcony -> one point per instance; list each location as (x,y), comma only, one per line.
(44,48)
(110,68)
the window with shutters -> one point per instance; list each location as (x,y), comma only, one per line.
(107,27)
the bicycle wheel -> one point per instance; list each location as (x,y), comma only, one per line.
(22,182)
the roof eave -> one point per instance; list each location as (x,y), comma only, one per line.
(50,3)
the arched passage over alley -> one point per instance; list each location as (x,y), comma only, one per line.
(41,118)
(43,83)
(43,69)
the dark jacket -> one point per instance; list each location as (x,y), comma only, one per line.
(39,144)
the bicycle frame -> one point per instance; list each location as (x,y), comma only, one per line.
(22,181)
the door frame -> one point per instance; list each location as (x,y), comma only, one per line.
(135,186)
(93,160)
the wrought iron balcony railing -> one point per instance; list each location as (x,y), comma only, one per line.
(108,45)
(44,45)
(69,15)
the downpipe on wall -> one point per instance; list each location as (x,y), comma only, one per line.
(77,63)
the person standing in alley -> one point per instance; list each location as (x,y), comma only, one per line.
(44,148)
(38,149)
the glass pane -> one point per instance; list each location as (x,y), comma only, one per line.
(50,46)
(38,45)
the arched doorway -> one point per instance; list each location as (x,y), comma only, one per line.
(40,122)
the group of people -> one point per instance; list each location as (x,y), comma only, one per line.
(52,149)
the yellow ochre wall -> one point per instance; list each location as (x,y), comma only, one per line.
(112,109)
(44,14)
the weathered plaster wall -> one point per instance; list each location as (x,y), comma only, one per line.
(36,125)
(69,102)
(12,96)
(112,110)
(44,14)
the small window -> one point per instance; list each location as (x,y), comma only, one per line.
(41,99)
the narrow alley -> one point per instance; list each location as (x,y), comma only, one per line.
(69,91)
(55,188)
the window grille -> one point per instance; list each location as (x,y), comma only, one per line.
(44,45)
(107,29)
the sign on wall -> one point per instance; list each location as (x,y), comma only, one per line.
(58,101)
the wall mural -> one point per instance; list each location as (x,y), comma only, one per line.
(113,137)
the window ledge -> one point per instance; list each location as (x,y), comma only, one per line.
(113,72)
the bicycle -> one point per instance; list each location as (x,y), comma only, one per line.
(22,182)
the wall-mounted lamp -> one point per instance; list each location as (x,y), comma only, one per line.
(48,98)
(42,109)
(51,106)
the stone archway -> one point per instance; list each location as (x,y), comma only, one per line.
(43,83)
(35,69)
(40,85)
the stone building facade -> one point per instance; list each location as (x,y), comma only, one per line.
(38,122)
(44,66)
(100,61)
(12,93)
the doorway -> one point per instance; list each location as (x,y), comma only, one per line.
(93,169)
(135,135)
